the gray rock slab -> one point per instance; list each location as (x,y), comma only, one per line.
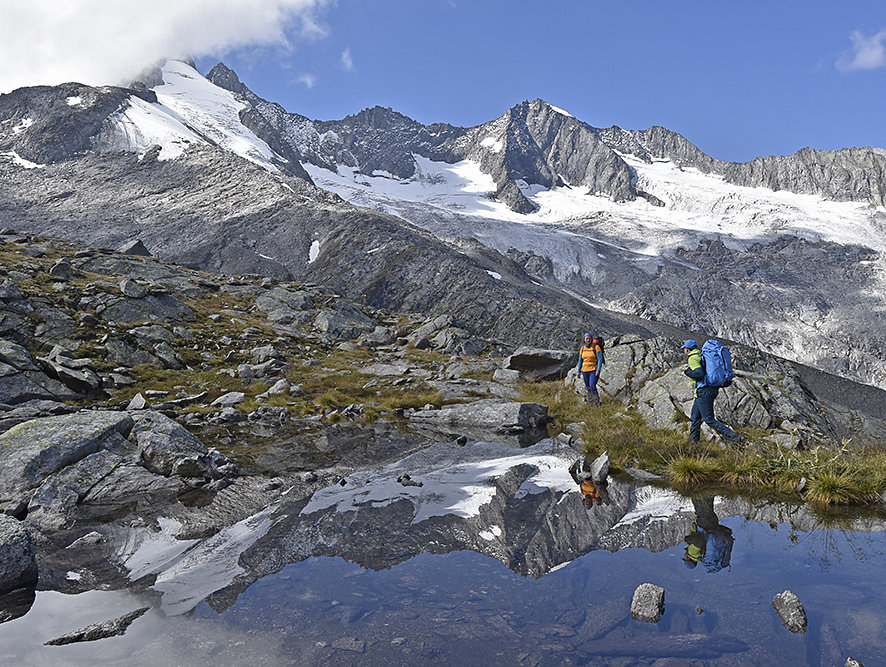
(499,416)
(18,557)
(648,603)
(16,356)
(21,386)
(229,400)
(38,448)
(132,289)
(541,364)
(54,504)
(135,247)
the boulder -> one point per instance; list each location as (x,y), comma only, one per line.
(229,400)
(506,376)
(36,449)
(167,448)
(493,415)
(16,356)
(22,386)
(138,402)
(18,557)
(54,504)
(62,270)
(791,612)
(281,386)
(648,603)
(153,333)
(123,354)
(540,364)
(344,322)
(132,289)
(265,353)
(378,337)
(168,356)
(600,468)
(135,247)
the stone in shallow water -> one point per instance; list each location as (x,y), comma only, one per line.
(96,631)
(790,611)
(648,603)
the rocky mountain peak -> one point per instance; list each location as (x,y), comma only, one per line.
(224,77)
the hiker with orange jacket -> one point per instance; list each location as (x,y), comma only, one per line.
(590,361)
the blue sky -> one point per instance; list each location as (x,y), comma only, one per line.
(738,79)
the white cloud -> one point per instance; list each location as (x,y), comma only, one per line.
(867,52)
(346,61)
(308,79)
(98,42)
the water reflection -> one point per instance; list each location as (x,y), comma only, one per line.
(709,542)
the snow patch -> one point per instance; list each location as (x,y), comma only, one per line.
(22,162)
(211,112)
(22,125)
(73,576)
(560,111)
(74,101)
(314,252)
(142,125)
(491,534)
(495,275)
(493,144)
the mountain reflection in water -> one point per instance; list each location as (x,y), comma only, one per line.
(494,559)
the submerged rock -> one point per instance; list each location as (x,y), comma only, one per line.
(97,631)
(790,611)
(648,603)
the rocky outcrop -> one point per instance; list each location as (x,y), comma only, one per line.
(767,394)
(18,560)
(488,416)
(536,364)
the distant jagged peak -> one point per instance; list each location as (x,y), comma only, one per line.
(224,77)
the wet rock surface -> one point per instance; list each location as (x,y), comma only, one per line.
(18,561)
(791,612)
(96,631)
(647,604)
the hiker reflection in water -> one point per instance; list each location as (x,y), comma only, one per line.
(709,543)
(592,492)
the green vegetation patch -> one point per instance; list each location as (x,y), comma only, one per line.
(838,475)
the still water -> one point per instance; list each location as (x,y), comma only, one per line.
(468,608)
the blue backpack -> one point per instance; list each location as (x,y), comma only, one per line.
(717,364)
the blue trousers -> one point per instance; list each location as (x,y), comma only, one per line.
(590,378)
(703,411)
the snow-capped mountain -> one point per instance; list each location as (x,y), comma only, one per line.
(782,253)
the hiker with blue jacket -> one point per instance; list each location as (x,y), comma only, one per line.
(706,391)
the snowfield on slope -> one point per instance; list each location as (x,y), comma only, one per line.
(696,205)
(189,110)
